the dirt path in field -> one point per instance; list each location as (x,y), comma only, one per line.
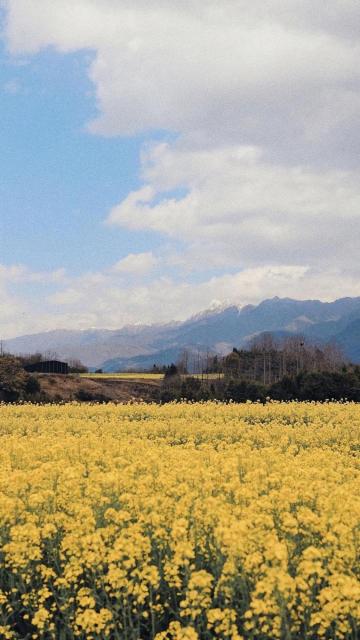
(73,387)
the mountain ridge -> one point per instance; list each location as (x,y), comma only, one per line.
(216,329)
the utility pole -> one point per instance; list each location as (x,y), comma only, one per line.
(270,377)
(264,366)
(301,356)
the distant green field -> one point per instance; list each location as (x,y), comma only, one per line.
(124,376)
(144,376)
(207,376)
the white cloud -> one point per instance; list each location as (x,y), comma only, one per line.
(9,308)
(101,300)
(276,74)
(136,264)
(164,299)
(19,312)
(22,274)
(261,186)
(69,296)
(265,98)
(245,211)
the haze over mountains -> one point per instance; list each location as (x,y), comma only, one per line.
(216,330)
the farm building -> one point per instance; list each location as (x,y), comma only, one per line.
(48,366)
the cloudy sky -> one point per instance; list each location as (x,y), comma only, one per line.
(160,157)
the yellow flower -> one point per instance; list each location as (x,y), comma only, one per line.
(41,618)
(180,521)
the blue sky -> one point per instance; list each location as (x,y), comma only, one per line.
(58,181)
(158,160)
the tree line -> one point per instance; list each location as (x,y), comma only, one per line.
(287,369)
(313,386)
(281,369)
(265,360)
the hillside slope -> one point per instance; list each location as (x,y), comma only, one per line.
(60,388)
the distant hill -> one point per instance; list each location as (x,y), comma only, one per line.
(216,330)
(349,340)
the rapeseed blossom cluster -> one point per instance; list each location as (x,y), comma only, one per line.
(180,522)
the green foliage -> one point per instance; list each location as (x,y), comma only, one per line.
(32,386)
(13,379)
(171,371)
(241,391)
(83,395)
(15,383)
(284,389)
(75,366)
(171,385)
(191,388)
(316,386)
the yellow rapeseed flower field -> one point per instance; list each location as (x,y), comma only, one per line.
(180,522)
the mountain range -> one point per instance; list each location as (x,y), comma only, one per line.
(216,330)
